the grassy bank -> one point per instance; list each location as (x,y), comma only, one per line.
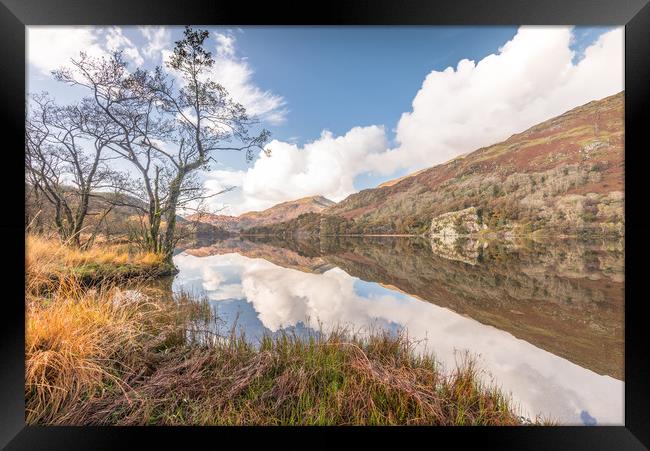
(110,356)
(83,343)
(48,262)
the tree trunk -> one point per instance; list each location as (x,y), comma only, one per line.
(153,238)
(174,194)
(80,217)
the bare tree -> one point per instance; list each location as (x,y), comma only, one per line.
(135,119)
(207,119)
(166,132)
(65,160)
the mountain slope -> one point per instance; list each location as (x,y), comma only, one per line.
(278,213)
(564,175)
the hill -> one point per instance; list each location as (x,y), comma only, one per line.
(278,213)
(564,175)
(113,215)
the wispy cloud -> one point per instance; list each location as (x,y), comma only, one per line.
(50,47)
(236,75)
(157,39)
(115,40)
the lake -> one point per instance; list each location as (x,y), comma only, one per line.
(545,319)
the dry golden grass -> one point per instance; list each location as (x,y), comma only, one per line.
(80,342)
(104,357)
(53,254)
(328,380)
(69,344)
(95,361)
(48,261)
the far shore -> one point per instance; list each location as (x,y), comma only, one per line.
(477,236)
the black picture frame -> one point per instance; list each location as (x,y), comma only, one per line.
(15,15)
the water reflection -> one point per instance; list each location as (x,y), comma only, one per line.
(545,319)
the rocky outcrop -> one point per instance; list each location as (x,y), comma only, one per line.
(448,227)
(449,232)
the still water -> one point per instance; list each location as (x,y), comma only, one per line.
(544,319)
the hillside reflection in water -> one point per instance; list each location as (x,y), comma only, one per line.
(545,319)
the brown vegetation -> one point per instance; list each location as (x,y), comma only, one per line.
(333,380)
(92,361)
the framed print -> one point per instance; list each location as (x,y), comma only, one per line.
(288,219)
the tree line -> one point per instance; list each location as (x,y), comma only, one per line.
(140,134)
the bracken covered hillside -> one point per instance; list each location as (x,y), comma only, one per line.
(565,175)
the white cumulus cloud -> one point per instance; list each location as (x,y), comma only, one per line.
(532,78)
(326,166)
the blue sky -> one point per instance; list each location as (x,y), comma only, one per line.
(304,80)
(374,72)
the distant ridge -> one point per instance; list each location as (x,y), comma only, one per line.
(282,212)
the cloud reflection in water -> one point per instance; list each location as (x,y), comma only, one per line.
(268,298)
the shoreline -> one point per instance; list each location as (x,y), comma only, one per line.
(104,347)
